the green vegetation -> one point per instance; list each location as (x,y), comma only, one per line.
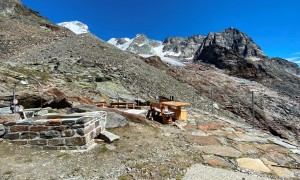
(125,177)
(29,160)
(102,149)
(63,155)
(8,172)
(22,72)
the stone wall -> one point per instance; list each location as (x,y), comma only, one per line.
(56,134)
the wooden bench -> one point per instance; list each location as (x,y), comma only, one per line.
(158,109)
(126,105)
(101,104)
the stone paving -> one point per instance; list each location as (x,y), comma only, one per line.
(231,145)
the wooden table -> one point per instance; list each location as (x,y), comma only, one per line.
(177,109)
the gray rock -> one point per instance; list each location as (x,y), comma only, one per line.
(115,120)
(49,134)
(9,117)
(5,110)
(85,108)
(235,40)
(108,136)
(42,112)
(186,47)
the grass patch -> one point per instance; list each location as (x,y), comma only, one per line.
(8,172)
(125,177)
(139,165)
(75,170)
(63,155)
(102,149)
(164,172)
(41,76)
(28,160)
(179,176)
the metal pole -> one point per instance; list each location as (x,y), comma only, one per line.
(212,101)
(253,118)
(14,97)
(193,100)
(118,97)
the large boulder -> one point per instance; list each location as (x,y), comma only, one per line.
(115,120)
(81,108)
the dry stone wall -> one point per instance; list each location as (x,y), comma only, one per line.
(55,134)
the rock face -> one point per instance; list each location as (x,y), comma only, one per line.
(176,48)
(234,40)
(225,58)
(182,48)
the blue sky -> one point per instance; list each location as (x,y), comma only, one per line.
(273,24)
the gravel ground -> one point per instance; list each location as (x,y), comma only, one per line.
(199,171)
(145,151)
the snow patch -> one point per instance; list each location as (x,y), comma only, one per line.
(76,26)
(157,51)
(114,41)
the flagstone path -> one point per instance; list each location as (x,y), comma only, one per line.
(237,146)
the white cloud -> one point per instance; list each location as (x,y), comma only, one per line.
(297,53)
(297,62)
(293,58)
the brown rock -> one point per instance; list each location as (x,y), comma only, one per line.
(56,142)
(189,127)
(19,142)
(4,118)
(253,164)
(59,128)
(202,140)
(244,137)
(76,141)
(37,142)
(279,171)
(216,161)
(39,128)
(18,128)
(29,135)
(55,122)
(225,151)
(246,148)
(272,147)
(277,157)
(209,127)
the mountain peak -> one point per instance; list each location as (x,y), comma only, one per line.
(235,40)
(76,26)
(232,30)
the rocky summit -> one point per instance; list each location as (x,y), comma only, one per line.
(243,115)
(234,40)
